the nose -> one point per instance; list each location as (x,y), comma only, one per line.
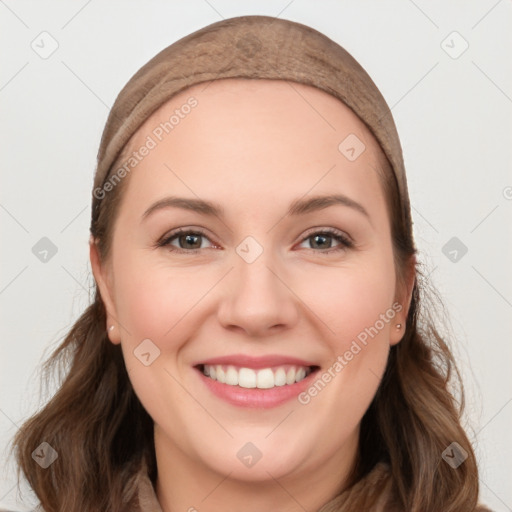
(257,300)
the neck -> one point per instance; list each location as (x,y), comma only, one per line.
(188,484)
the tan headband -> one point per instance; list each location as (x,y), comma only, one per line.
(251,47)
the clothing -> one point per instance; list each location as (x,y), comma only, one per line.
(378,500)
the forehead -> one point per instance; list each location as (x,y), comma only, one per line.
(235,134)
(289,100)
(282,111)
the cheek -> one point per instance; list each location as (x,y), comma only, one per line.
(361,316)
(352,298)
(153,302)
(356,306)
(151,298)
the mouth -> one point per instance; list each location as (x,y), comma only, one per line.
(263,378)
(261,382)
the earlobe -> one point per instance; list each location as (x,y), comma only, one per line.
(101,277)
(400,321)
(397,332)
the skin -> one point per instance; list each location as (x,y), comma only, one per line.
(253,147)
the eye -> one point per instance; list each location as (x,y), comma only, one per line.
(326,241)
(183,240)
(190,241)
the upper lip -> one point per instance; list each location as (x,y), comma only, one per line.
(246,361)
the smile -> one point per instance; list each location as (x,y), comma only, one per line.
(256,382)
(263,378)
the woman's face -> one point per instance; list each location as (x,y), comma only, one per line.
(282,271)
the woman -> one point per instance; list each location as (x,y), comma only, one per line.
(255,341)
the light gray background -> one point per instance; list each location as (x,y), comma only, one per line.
(453,115)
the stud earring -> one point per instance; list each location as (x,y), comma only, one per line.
(111,328)
(398,326)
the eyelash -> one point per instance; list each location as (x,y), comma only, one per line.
(345,242)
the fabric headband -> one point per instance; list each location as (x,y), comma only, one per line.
(259,47)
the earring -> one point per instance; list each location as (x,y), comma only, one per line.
(111,328)
(398,326)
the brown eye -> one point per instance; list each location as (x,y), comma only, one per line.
(191,241)
(326,241)
(185,241)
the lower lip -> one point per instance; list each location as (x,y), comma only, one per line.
(255,397)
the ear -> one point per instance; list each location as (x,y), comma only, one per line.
(103,278)
(403,299)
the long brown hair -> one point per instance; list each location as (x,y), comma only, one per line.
(103,434)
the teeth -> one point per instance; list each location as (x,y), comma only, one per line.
(232,376)
(280,377)
(246,378)
(265,378)
(221,376)
(301,373)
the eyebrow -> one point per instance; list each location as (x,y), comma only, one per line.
(297,207)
